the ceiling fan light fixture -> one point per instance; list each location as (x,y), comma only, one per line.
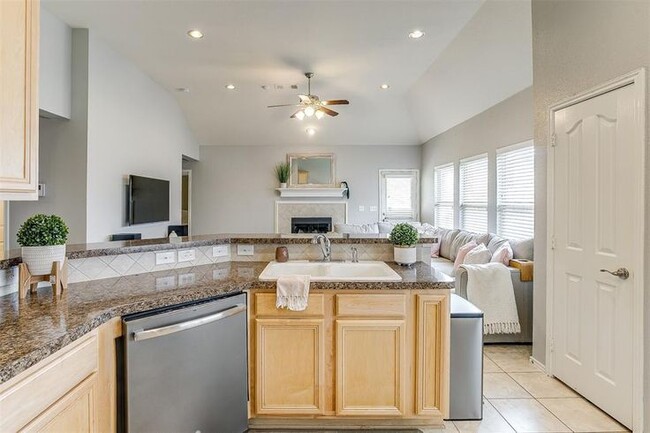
(310,131)
(416,34)
(300,115)
(309,111)
(319,114)
(195,34)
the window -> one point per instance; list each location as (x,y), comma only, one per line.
(443,208)
(474,194)
(398,195)
(516,191)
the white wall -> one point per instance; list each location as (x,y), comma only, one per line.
(55,67)
(62,156)
(233,187)
(508,122)
(489,61)
(576,46)
(134,127)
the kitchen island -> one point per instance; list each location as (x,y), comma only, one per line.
(37,331)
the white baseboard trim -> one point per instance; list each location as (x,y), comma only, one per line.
(537,364)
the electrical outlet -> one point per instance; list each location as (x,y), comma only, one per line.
(245,250)
(186,279)
(165,257)
(373,208)
(362,208)
(165,282)
(221,251)
(186,255)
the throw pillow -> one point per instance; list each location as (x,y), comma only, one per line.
(478,256)
(461,239)
(495,243)
(522,248)
(462,253)
(435,249)
(503,254)
(385,227)
(445,242)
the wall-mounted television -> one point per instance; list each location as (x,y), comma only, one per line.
(148,200)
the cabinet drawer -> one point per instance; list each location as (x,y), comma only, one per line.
(24,400)
(265,306)
(373,304)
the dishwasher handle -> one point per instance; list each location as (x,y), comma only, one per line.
(177,327)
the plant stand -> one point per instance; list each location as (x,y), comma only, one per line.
(58,278)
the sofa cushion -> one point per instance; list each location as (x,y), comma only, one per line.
(443,265)
(462,252)
(495,242)
(357,228)
(478,256)
(503,254)
(522,248)
(446,239)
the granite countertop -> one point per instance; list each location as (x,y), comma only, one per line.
(33,328)
(81,251)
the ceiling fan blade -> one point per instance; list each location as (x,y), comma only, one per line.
(328,111)
(284,105)
(336,102)
(304,98)
(293,116)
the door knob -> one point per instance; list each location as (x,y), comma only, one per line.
(621,273)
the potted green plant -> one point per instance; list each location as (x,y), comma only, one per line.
(42,238)
(404,237)
(282,173)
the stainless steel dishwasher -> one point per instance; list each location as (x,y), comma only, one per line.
(185,368)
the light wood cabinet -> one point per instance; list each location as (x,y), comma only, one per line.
(73,390)
(19,35)
(353,358)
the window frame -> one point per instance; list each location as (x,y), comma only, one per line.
(415,198)
(529,144)
(463,206)
(436,203)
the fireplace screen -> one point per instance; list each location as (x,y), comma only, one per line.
(311,225)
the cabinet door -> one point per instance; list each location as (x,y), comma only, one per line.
(370,367)
(289,366)
(432,364)
(19,29)
(75,412)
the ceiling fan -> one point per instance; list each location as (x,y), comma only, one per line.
(311,105)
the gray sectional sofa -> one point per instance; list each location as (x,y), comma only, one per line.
(452,240)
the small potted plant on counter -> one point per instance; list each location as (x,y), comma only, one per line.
(282,173)
(404,237)
(42,238)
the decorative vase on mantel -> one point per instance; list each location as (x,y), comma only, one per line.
(283,184)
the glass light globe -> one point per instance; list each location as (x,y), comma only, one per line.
(300,115)
(319,114)
(309,111)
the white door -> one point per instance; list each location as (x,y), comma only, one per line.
(596,180)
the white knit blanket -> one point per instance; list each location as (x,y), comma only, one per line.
(292,292)
(489,287)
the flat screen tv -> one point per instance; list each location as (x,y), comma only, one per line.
(148,200)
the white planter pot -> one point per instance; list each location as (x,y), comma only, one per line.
(283,185)
(405,255)
(39,259)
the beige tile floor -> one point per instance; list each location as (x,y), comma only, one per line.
(520,398)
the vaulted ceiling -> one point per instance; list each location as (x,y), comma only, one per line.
(353,47)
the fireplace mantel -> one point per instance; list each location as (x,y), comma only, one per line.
(311,192)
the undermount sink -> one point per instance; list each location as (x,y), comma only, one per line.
(331,271)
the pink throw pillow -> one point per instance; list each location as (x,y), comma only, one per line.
(503,254)
(435,249)
(462,252)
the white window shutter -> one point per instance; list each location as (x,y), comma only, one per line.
(443,210)
(516,192)
(474,194)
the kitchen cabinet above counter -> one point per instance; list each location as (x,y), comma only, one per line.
(36,327)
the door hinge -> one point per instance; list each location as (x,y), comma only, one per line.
(553,140)
(552,242)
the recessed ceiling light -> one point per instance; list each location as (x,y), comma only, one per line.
(183,90)
(230,86)
(384,86)
(195,34)
(310,131)
(416,34)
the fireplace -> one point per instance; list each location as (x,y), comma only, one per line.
(311,224)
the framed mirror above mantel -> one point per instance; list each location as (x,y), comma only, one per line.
(312,170)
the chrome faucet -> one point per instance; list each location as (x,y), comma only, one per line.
(355,255)
(325,246)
